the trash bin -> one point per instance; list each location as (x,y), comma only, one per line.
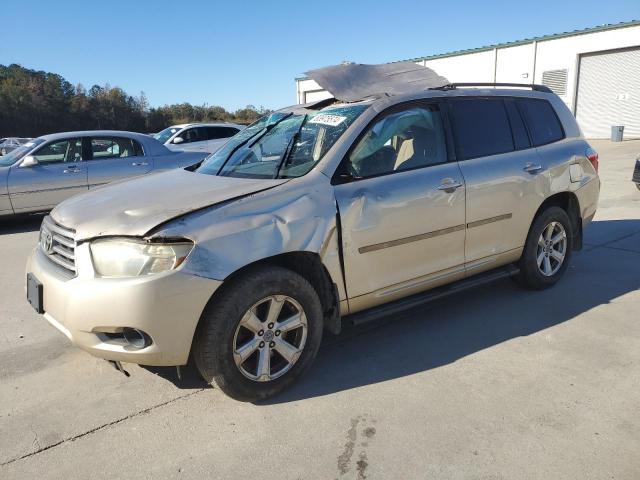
(616,133)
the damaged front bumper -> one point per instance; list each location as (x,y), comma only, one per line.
(94,312)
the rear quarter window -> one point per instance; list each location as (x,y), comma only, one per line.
(480,127)
(542,121)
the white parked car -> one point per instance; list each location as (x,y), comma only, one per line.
(198,137)
(10,144)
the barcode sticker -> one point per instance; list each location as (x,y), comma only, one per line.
(326,119)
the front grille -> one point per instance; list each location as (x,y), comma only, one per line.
(636,172)
(58,244)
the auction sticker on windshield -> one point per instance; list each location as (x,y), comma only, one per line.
(326,119)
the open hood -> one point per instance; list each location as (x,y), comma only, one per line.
(133,207)
(351,82)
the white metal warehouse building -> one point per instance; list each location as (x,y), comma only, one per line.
(596,71)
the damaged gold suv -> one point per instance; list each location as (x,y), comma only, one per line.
(389,194)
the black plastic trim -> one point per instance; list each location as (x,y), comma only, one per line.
(403,304)
(532,86)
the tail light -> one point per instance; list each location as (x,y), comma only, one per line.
(592,155)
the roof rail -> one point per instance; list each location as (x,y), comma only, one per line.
(532,86)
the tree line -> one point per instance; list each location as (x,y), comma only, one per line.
(34,103)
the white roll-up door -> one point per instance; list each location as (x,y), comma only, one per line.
(609,93)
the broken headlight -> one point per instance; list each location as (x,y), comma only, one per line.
(135,258)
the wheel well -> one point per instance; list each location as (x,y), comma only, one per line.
(569,203)
(310,266)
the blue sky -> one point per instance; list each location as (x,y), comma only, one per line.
(234,53)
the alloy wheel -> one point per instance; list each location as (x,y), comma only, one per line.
(270,338)
(552,249)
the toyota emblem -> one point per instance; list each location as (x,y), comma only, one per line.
(46,241)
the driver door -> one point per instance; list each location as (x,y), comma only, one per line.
(193,140)
(59,174)
(402,207)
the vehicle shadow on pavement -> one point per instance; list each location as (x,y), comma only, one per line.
(445,331)
(458,326)
(21,223)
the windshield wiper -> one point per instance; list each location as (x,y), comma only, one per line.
(262,133)
(289,149)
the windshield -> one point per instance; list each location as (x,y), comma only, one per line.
(15,155)
(166,134)
(282,145)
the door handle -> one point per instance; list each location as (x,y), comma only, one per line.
(449,185)
(532,168)
(139,164)
(72,170)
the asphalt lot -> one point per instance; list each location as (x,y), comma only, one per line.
(495,383)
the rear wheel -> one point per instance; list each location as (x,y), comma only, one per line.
(260,334)
(547,250)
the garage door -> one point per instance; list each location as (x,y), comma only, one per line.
(609,93)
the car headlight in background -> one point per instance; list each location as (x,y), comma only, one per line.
(135,258)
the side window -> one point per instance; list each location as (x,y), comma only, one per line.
(229,132)
(480,127)
(542,121)
(137,148)
(404,140)
(216,133)
(520,136)
(60,151)
(112,147)
(191,135)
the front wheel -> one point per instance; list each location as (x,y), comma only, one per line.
(547,250)
(260,334)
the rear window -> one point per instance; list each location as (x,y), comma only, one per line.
(215,133)
(542,121)
(481,127)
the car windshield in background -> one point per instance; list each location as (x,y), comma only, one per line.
(166,134)
(15,155)
(282,145)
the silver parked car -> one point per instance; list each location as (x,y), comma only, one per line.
(313,215)
(11,143)
(197,137)
(44,171)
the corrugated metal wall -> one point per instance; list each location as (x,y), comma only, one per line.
(609,93)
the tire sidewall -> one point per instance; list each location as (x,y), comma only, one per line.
(221,320)
(530,272)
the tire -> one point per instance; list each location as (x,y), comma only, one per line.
(226,324)
(539,277)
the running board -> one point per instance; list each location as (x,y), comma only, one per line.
(387,309)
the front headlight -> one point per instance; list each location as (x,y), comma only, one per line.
(135,258)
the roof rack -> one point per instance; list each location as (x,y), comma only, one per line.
(532,86)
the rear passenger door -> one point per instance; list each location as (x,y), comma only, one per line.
(504,176)
(115,158)
(402,208)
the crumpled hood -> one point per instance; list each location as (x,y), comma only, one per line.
(136,206)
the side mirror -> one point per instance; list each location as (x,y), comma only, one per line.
(177,140)
(29,161)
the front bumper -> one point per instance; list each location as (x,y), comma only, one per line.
(166,306)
